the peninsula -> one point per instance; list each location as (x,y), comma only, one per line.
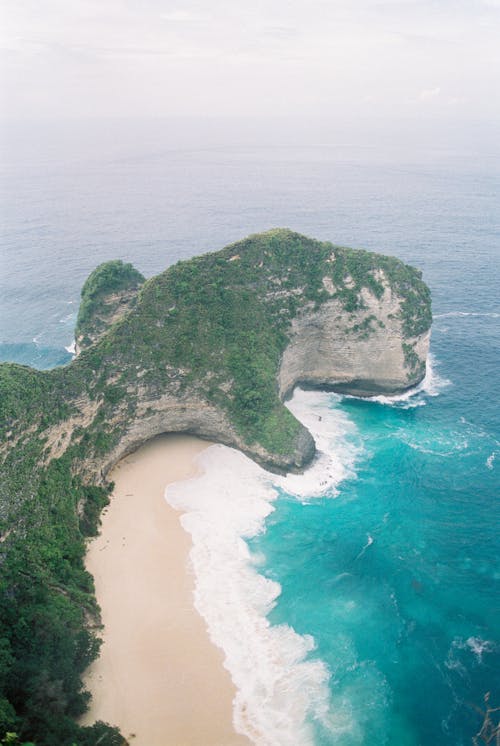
(211,347)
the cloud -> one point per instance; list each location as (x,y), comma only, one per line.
(183,16)
(437,94)
(280,32)
(429,94)
(188,57)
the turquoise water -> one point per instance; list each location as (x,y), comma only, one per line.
(395,576)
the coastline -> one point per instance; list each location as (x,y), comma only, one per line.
(158,677)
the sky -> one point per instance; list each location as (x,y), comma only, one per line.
(349,60)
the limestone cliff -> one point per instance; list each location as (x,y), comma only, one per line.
(215,344)
(108,293)
(363,353)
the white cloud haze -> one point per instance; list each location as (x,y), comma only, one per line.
(350,59)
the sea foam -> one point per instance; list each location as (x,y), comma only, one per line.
(465,314)
(281,690)
(337,448)
(431,385)
(490,460)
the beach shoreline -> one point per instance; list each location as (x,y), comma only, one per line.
(158,678)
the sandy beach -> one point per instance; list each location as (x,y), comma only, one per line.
(159,678)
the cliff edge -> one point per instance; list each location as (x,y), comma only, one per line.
(215,344)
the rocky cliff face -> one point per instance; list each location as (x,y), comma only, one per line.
(188,414)
(108,293)
(362,353)
(214,345)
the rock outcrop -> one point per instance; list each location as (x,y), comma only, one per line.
(108,293)
(363,353)
(187,414)
(215,344)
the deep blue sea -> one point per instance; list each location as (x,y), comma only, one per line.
(391,575)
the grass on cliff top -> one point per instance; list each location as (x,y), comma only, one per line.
(107,279)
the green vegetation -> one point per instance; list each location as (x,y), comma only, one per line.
(412,361)
(213,327)
(46,601)
(106,291)
(222,320)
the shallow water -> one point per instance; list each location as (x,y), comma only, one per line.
(397,576)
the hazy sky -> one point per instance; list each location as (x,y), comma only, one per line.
(346,58)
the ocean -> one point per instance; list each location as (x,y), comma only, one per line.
(358,603)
